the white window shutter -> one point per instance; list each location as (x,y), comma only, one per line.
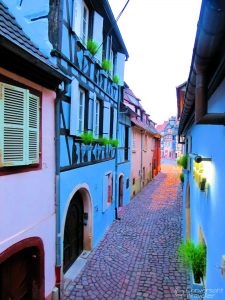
(12,125)
(92,112)
(114,122)
(119,66)
(77,14)
(74,107)
(106,119)
(98,33)
(33,129)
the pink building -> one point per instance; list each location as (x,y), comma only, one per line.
(145,156)
(27,166)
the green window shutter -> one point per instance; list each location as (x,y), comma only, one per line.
(12,125)
(32,136)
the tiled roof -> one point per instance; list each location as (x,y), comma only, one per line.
(13,32)
(162,126)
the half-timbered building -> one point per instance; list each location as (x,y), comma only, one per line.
(82,38)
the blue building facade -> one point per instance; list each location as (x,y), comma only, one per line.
(91,176)
(202,130)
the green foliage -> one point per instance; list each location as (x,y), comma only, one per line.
(92,46)
(87,137)
(106,65)
(116,79)
(114,143)
(194,258)
(182,177)
(182,161)
(103,141)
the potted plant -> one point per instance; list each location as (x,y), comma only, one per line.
(116,79)
(113,143)
(182,178)
(92,46)
(193,257)
(182,161)
(87,137)
(106,65)
(103,142)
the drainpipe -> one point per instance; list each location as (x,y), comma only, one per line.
(141,157)
(121,94)
(61,92)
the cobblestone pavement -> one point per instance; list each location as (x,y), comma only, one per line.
(137,258)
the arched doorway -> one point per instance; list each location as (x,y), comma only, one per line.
(22,271)
(121,184)
(188,214)
(73,231)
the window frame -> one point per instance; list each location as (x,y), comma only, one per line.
(97,118)
(85,23)
(7,170)
(82,94)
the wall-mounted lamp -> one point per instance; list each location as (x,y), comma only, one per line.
(198,158)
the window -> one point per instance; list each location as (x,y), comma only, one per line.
(146,143)
(97,119)
(127,183)
(111,123)
(133,142)
(81,111)
(84,23)
(110,187)
(126,143)
(19,126)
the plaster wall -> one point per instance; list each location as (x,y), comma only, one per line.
(32,16)
(207,208)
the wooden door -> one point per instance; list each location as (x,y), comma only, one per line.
(73,231)
(19,276)
(121,182)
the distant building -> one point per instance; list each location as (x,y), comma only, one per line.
(145,156)
(170,148)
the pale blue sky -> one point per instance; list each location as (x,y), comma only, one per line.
(159,35)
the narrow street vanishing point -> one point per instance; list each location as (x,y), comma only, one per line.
(137,259)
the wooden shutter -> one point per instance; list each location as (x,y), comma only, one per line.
(114,123)
(77,14)
(98,33)
(33,129)
(91,111)
(106,119)
(74,108)
(119,66)
(12,125)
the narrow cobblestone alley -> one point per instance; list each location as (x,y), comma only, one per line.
(137,258)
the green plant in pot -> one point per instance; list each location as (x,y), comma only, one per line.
(116,79)
(182,161)
(103,141)
(181,177)
(193,257)
(92,46)
(106,65)
(114,143)
(87,137)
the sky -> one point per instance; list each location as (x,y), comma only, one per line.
(159,36)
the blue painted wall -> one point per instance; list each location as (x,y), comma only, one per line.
(208,208)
